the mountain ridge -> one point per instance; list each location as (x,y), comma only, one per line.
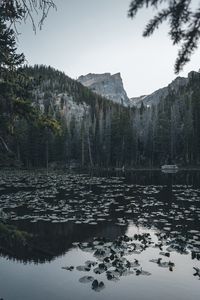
(98,132)
(155,97)
(111,87)
(107,85)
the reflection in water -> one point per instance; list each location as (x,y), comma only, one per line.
(166,194)
(52,240)
(95,212)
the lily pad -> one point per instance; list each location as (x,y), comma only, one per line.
(83,268)
(86,279)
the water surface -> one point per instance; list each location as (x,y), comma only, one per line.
(70,216)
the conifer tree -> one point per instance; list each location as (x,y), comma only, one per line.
(184,24)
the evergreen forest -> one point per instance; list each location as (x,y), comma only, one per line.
(76,127)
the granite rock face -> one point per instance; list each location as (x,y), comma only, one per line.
(107,85)
(157,96)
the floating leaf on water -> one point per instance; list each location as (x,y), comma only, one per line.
(127,272)
(112,275)
(90,263)
(156,260)
(98,286)
(167,254)
(134,264)
(164,265)
(170,249)
(71,268)
(197,271)
(95,284)
(145,273)
(102,253)
(86,279)
(100,269)
(83,268)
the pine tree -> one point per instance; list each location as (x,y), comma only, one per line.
(184,22)
(9,59)
(9,62)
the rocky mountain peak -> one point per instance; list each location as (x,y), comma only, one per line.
(106,85)
(157,96)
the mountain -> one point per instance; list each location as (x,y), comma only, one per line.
(157,96)
(98,132)
(91,125)
(111,87)
(106,85)
(53,92)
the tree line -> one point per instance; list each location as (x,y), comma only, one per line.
(96,132)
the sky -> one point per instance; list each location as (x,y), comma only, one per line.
(96,36)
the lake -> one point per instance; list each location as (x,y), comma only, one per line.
(108,235)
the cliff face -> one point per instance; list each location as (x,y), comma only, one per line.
(107,85)
(159,95)
(61,104)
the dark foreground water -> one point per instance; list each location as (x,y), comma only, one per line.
(112,228)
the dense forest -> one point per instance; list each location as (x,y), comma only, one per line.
(94,131)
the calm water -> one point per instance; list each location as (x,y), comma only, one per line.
(136,217)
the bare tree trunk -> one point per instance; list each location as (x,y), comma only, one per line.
(18,154)
(89,148)
(5,145)
(83,145)
(82,152)
(47,156)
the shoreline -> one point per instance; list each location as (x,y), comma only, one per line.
(111,169)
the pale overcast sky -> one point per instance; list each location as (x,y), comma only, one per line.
(95,36)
